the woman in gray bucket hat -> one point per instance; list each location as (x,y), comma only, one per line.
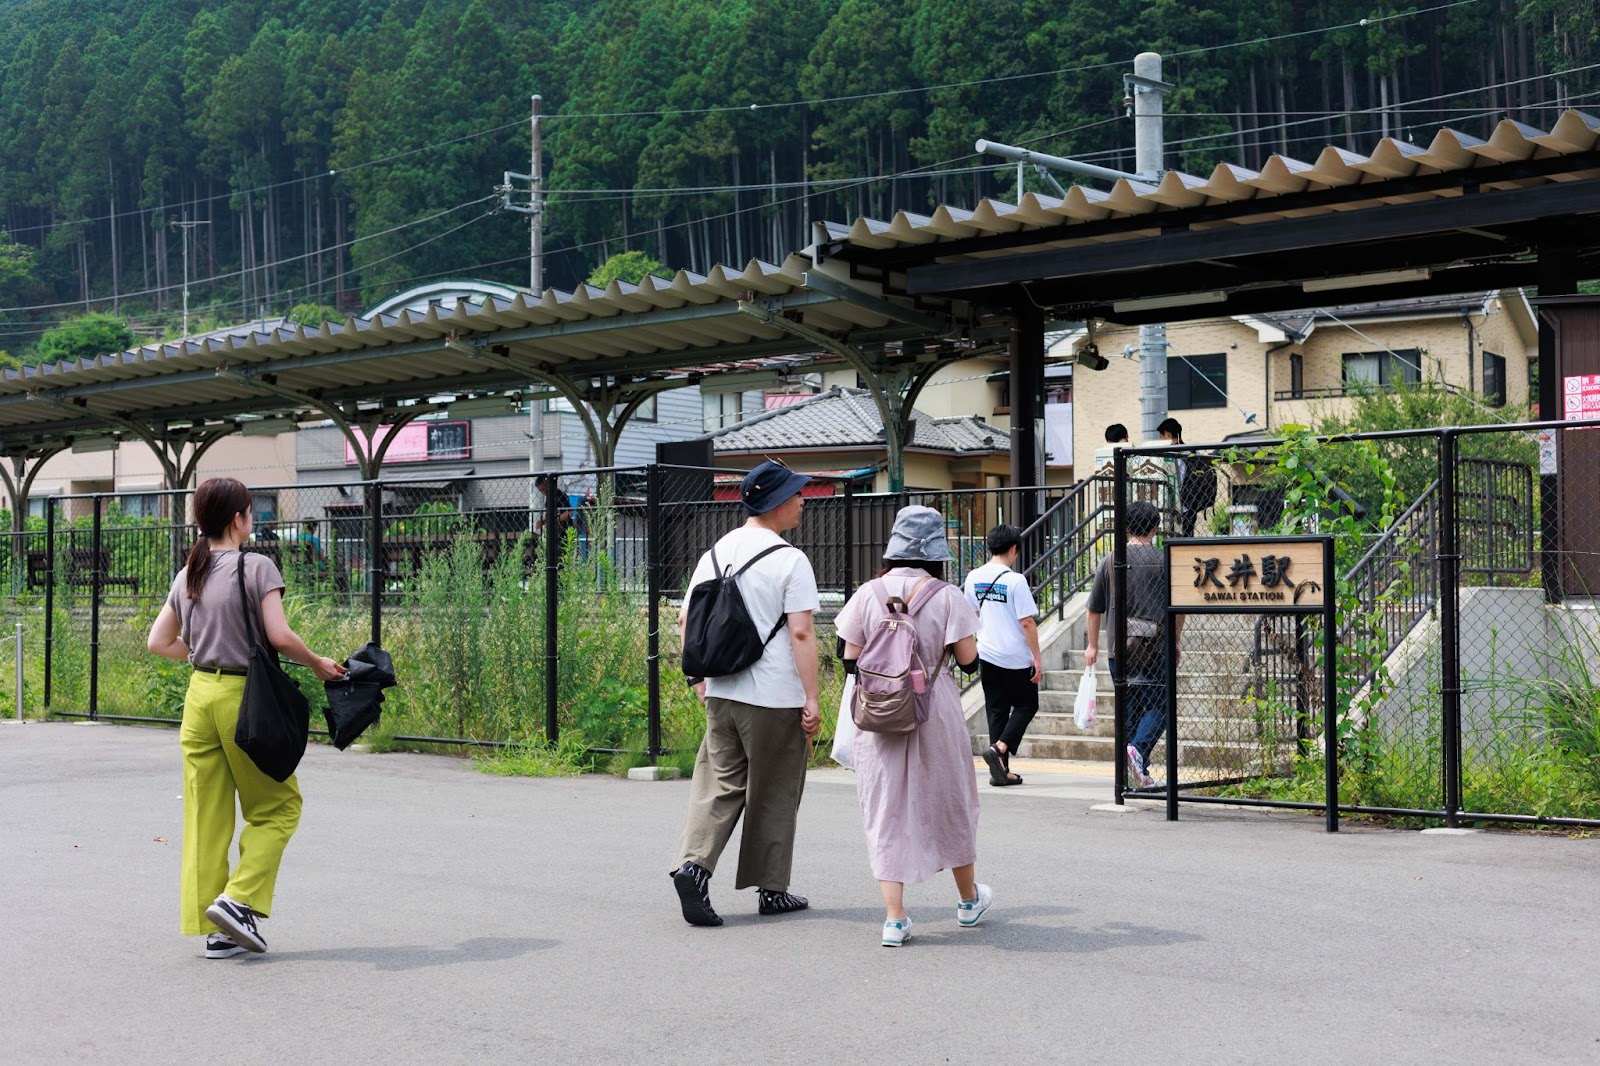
(918,790)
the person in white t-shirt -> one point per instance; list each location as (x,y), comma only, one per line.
(759,721)
(1008,647)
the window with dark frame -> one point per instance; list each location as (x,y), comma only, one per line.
(1383,370)
(1197,381)
(1297,376)
(1002,403)
(1494,379)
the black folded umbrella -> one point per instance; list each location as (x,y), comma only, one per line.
(354,701)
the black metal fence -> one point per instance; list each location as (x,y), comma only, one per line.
(531,607)
(1468,654)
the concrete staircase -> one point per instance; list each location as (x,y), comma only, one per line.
(1224,733)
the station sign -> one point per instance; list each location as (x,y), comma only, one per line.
(1249,574)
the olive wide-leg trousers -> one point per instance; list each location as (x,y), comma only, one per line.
(215,771)
(752,762)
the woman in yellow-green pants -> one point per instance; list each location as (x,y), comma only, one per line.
(204,624)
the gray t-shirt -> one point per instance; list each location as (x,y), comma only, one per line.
(1147,587)
(213,627)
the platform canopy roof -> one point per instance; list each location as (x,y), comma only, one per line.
(1457,214)
(893,298)
(657,334)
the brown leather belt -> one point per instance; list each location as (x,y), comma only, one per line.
(224,671)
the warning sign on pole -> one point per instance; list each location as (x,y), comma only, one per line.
(1580,397)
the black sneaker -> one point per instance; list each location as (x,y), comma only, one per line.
(220,947)
(693,883)
(238,922)
(773,902)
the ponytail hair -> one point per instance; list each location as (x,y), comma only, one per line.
(216,502)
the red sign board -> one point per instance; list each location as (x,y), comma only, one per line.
(1580,397)
(419,442)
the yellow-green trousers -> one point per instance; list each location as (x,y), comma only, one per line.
(214,771)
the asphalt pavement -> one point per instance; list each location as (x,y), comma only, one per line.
(431,913)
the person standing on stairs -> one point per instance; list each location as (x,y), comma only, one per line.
(1008,649)
(1145,659)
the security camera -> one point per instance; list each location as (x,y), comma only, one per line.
(1089,356)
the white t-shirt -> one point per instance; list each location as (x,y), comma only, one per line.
(1006,601)
(782,583)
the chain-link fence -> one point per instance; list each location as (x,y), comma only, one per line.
(538,607)
(1468,562)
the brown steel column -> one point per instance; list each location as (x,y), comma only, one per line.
(1027,409)
(1558,276)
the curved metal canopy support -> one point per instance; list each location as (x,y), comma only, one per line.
(177,470)
(605,406)
(25,467)
(894,387)
(360,428)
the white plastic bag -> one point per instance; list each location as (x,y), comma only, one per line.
(844,732)
(1083,708)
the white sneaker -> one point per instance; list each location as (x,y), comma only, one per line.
(970,911)
(896,931)
(1136,769)
(238,923)
(221,947)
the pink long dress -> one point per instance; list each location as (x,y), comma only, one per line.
(918,790)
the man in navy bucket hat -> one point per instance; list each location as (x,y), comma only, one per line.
(759,721)
(770,485)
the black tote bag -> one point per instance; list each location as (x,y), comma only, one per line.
(274,715)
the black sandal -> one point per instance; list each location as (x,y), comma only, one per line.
(997,766)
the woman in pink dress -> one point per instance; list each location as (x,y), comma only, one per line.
(918,790)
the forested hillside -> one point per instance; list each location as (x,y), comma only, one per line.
(336,151)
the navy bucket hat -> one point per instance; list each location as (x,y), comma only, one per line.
(768,485)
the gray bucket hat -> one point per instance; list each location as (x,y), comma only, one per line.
(918,536)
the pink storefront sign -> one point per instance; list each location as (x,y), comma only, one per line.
(418,442)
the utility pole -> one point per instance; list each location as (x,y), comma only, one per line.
(534,209)
(184,227)
(1145,90)
(536,201)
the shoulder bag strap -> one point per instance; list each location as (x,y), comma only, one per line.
(250,629)
(760,555)
(984,598)
(915,599)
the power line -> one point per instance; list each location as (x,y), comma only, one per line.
(727,108)
(267,266)
(759,186)
(1399,106)
(1083,68)
(929,171)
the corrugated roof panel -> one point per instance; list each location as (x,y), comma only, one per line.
(1178,189)
(1130,198)
(1084,204)
(1574,131)
(1391,159)
(1038,209)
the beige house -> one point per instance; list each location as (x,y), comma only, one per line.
(1258,373)
(131,472)
(981,388)
(840,432)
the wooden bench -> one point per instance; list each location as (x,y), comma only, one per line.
(80,568)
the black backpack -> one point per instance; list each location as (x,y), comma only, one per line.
(719,638)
